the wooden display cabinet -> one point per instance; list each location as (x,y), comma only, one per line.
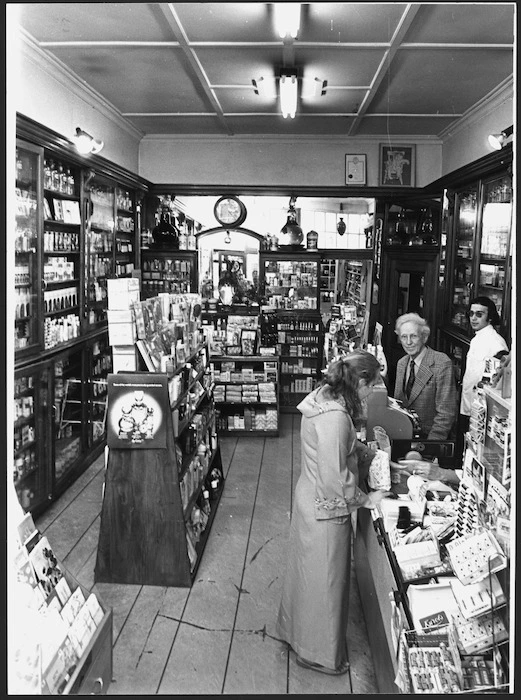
(76,223)
(168,271)
(246,394)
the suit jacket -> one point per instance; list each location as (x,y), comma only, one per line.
(434,394)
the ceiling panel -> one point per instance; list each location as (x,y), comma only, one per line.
(107,21)
(460,23)
(381,61)
(449,81)
(149,80)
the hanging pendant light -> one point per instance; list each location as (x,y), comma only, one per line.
(291,231)
(341,226)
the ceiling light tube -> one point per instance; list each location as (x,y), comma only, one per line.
(497,141)
(288,95)
(287,18)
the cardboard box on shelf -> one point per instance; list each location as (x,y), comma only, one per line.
(122,329)
(124,358)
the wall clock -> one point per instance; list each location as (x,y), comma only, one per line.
(229,211)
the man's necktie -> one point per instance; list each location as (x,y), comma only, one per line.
(410,381)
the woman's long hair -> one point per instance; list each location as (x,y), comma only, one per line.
(343,376)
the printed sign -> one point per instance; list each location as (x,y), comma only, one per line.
(136,413)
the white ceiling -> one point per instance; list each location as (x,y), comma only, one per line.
(187,68)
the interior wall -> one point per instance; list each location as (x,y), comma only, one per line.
(469,140)
(44,93)
(271,161)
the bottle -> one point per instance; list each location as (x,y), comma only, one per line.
(165,234)
(380,356)
(47,175)
(55,177)
(70,182)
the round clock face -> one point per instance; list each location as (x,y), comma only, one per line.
(230,211)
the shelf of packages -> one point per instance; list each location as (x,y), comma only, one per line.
(193,442)
(187,418)
(215,497)
(223,423)
(57,241)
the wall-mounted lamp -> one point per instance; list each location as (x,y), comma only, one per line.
(497,141)
(287,18)
(288,95)
(85,143)
(227,238)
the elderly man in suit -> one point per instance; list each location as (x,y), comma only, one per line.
(425,379)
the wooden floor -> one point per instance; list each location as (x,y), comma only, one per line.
(218,637)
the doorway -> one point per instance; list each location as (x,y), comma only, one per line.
(409,285)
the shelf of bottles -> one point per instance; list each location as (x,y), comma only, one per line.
(61,252)
(99,250)
(465,241)
(299,345)
(291,282)
(168,271)
(99,360)
(31,395)
(26,278)
(125,233)
(495,239)
(69,416)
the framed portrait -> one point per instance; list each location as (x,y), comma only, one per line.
(397,165)
(356,168)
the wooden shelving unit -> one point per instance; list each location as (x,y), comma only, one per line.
(246,393)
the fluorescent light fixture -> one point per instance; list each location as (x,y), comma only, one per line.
(85,143)
(265,86)
(288,95)
(313,87)
(497,141)
(287,18)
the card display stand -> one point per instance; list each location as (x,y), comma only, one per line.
(159,504)
(63,641)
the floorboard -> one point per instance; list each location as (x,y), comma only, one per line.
(217,637)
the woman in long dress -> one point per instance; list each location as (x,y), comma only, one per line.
(312,617)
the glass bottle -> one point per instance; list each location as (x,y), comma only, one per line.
(47,175)
(70,182)
(165,234)
(55,177)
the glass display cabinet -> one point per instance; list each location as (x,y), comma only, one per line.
(290,279)
(26,270)
(99,250)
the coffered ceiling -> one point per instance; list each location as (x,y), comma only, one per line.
(187,68)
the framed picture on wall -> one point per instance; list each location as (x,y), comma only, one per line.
(356,167)
(397,165)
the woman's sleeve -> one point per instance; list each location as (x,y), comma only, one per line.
(365,456)
(336,492)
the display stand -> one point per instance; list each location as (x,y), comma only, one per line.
(144,523)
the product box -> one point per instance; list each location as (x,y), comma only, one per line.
(122,329)
(122,292)
(124,358)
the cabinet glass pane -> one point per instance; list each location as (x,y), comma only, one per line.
(26,278)
(291,284)
(125,232)
(167,272)
(100,363)
(465,234)
(61,252)
(495,237)
(99,252)
(31,405)
(69,413)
